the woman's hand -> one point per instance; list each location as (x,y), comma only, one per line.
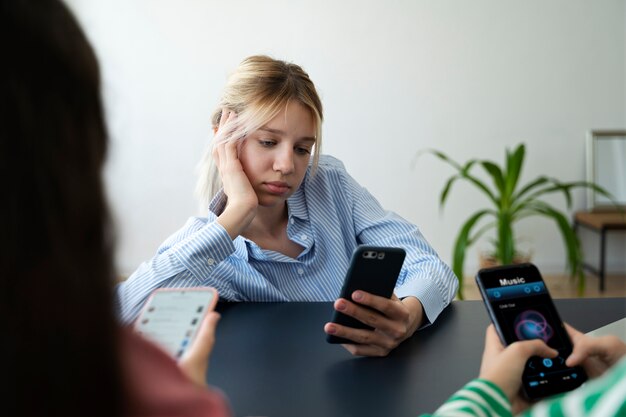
(242,200)
(504,365)
(595,355)
(393,321)
(195,361)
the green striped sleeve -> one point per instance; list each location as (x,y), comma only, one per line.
(478,398)
(603,397)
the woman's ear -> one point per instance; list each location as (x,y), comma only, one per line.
(214,129)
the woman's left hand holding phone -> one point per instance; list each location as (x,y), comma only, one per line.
(195,362)
(393,320)
(242,200)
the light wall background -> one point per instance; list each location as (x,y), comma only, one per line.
(470,78)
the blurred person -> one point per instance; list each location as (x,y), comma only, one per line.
(63,352)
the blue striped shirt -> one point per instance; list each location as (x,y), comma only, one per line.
(329,216)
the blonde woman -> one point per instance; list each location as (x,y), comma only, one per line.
(283,220)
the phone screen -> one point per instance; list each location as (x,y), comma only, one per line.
(521,308)
(172,317)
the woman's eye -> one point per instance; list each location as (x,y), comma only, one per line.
(302,151)
(267,143)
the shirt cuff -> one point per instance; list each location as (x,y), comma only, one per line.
(427,294)
(202,252)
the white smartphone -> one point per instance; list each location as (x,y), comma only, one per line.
(172,316)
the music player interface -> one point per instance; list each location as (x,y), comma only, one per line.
(525,312)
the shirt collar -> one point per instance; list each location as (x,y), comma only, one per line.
(296,204)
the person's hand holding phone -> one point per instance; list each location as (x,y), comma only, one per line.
(195,361)
(595,355)
(504,365)
(242,200)
(393,321)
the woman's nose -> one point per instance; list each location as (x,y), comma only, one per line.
(284,161)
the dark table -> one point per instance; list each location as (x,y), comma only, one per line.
(271,359)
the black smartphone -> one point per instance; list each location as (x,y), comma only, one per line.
(521,308)
(373,269)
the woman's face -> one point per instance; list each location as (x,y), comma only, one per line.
(276,156)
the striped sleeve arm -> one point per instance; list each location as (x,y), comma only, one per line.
(186,259)
(479,398)
(424,275)
(601,397)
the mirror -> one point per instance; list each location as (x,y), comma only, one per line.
(606,166)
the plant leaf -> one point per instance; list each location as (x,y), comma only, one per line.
(463,172)
(514,163)
(481,185)
(460,246)
(446,190)
(496,175)
(481,231)
(572,244)
(444,158)
(565,188)
(505,247)
(530,186)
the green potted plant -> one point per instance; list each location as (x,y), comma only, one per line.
(510,202)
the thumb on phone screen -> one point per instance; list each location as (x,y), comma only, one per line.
(195,361)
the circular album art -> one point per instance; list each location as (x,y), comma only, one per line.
(532,324)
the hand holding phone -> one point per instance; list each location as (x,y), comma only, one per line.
(373,269)
(521,308)
(172,316)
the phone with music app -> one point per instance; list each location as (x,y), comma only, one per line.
(172,316)
(520,307)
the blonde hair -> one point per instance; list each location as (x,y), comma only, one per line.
(257,91)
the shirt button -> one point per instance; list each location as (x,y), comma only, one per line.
(210,261)
(304,237)
(300,271)
(292,221)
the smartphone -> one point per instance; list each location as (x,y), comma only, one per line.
(172,316)
(373,269)
(521,308)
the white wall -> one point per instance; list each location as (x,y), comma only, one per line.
(468,78)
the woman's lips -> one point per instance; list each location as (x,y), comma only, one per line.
(277,187)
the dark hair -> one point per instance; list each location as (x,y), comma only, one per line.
(59,344)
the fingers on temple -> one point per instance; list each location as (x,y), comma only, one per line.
(224,117)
